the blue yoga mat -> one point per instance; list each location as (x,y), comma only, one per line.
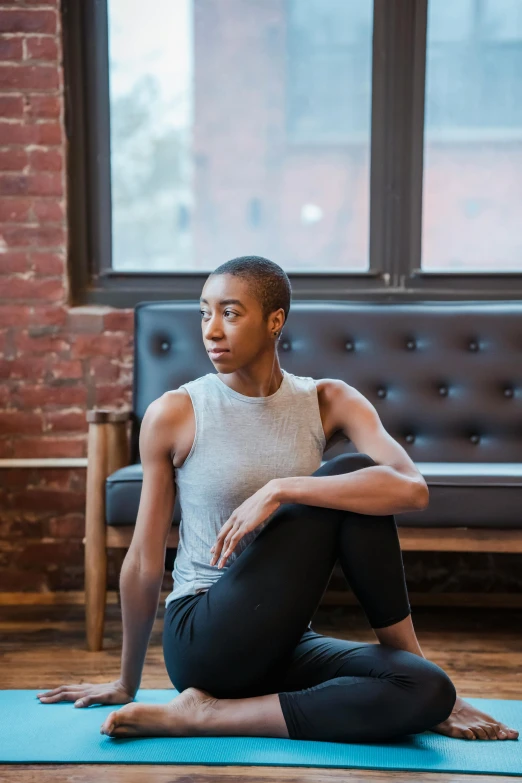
(31,732)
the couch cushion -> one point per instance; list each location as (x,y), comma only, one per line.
(462,494)
(122,496)
(469,494)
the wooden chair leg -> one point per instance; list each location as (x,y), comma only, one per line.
(117,457)
(95,537)
(119,557)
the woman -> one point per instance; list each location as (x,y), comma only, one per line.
(263,524)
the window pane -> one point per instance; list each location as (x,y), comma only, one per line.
(472,190)
(238,128)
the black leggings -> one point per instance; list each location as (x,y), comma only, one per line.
(249,634)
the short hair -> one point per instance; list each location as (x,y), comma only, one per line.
(266,281)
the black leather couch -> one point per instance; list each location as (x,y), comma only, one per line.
(446,380)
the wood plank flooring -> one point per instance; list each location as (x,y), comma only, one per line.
(44,646)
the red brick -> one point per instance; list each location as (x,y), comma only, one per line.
(87,319)
(102,369)
(29,77)
(47,316)
(43,331)
(23,368)
(11,49)
(48,3)
(20,422)
(20,527)
(40,345)
(50,289)
(11,106)
(54,478)
(41,48)
(40,106)
(119,320)
(14,132)
(114,345)
(50,211)
(14,315)
(46,160)
(6,452)
(75,446)
(11,185)
(17,477)
(14,210)
(48,396)
(63,369)
(55,552)
(5,398)
(67,526)
(114,395)
(28,21)
(47,500)
(66,421)
(48,264)
(29,236)
(21,581)
(14,262)
(40,184)
(13,159)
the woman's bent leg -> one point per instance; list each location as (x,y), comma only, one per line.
(371,559)
(235,638)
(344,691)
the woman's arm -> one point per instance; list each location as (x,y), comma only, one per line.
(144,565)
(139,606)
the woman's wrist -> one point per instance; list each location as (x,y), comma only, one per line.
(279,488)
(131,690)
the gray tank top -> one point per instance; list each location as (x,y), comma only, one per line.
(240,444)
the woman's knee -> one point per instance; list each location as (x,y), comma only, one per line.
(445,696)
(436,697)
(345,463)
(426,695)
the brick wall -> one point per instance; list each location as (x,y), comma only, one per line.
(56,361)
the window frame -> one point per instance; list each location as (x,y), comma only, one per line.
(396,164)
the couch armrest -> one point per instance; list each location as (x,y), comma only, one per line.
(108,442)
(107,451)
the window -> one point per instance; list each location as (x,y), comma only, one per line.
(329,71)
(373,149)
(473,136)
(207,102)
(151,124)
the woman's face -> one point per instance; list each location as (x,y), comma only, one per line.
(235,326)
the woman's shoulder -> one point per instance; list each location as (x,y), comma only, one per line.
(195,382)
(308,382)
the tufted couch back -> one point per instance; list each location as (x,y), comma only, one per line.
(445,377)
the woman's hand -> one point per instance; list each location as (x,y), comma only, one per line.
(88,693)
(249,515)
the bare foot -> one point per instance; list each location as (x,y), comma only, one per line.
(179,718)
(468,722)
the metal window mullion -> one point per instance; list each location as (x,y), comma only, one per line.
(397,128)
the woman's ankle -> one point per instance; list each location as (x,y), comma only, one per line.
(259,716)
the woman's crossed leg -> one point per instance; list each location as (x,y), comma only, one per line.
(344,691)
(247,635)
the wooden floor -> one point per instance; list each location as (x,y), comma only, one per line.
(43,646)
